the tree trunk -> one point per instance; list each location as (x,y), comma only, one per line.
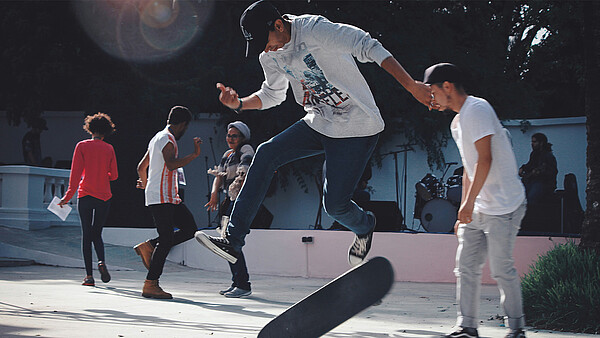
(590,232)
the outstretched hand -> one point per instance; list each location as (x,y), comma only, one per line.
(228,96)
(422,93)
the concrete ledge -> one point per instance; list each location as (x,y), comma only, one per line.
(46,258)
(421,257)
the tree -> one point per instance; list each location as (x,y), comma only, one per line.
(590,232)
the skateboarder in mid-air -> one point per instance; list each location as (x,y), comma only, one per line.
(316,57)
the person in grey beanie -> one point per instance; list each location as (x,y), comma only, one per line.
(229,177)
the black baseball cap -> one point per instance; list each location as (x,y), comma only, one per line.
(256,21)
(442,72)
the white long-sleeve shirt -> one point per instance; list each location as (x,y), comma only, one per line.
(318,62)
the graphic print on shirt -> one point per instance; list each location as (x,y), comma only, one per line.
(319,94)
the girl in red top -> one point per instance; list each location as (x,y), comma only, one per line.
(94,166)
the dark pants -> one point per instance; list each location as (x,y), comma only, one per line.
(167,217)
(239,271)
(92,214)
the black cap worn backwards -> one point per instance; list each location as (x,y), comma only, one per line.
(442,72)
(255,23)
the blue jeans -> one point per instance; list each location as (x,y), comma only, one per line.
(239,270)
(492,237)
(345,159)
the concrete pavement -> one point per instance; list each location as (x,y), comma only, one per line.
(49,301)
(45,301)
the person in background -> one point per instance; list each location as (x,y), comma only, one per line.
(31,145)
(229,176)
(93,167)
(539,174)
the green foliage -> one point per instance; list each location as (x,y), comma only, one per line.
(562,290)
(50,62)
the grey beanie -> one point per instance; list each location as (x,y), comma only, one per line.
(242,127)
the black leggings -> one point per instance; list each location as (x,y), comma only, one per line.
(167,217)
(92,214)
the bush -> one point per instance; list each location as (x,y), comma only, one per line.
(562,290)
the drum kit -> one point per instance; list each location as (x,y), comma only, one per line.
(437,203)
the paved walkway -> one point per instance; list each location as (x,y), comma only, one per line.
(48,301)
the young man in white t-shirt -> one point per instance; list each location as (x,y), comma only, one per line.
(492,206)
(158,171)
(316,57)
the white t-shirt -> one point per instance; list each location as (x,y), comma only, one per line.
(162,186)
(502,190)
(319,64)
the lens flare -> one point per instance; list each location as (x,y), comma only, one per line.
(143,31)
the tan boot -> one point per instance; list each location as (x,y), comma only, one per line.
(145,250)
(152,290)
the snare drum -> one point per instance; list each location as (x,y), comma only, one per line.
(454,189)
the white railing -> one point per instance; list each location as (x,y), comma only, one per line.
(25,194)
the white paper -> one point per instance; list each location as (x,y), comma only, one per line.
(180,176)
(63,212)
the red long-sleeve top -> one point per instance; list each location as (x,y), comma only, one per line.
(94,166)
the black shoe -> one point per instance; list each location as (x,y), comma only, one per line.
(222,292)
(515,334)
(104,275)
(88,281)
(218,245)
(463,332)
(361,246)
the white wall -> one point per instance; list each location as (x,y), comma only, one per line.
(293,209)
(64,131)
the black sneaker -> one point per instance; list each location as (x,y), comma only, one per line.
(218,245)
(515,334)
(463,332)
(88,281)
(104,275)
(222,292)
(361,246)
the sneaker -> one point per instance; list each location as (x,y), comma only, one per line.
(218,245)
(237,293)
(463,332)
(104,275)
(222,292)
(361,246)
(88,281)
(515,334)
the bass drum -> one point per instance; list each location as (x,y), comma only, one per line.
(438,215)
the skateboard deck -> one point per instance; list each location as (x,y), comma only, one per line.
(334,303)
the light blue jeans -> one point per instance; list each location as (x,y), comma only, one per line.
(493,237)
(346,159)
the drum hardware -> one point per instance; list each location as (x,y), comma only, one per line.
(405,149)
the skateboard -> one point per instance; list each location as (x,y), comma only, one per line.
(334,303)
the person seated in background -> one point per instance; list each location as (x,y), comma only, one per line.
(539,174)
(31,145)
